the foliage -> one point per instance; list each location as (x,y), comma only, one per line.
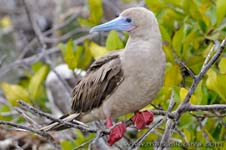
(113,41)
(188,29)
(96,13)
(14,93)
(31,89)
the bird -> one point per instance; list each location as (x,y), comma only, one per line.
(124,81)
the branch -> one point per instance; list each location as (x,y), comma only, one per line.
(185,105)
(182,134)
(32,59)
(2,59)
(83,144)
(191,73)
(163,113)
(216,45)
(151,129)
(199,78)
(45,135)
(27,118)
(40,38)
(60,121)
(169,124)
(83,127)
(66,36)
(65,23)
(214,107)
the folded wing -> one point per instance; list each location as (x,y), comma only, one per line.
(102,79)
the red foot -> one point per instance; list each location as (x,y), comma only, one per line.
(116,133)
(141,119)
(108,122)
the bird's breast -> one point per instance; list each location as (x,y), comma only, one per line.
(144,76)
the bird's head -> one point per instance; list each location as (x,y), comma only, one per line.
(132,20)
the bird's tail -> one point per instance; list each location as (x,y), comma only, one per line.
(55,126)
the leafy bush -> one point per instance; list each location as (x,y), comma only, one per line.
(189,30)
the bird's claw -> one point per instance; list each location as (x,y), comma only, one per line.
(116,133)
(141,119)
(109,123)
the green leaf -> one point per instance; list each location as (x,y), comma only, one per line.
(169,53)
(165,34)
(62,47)
(37,81)
(178,40)
(36,66)
(211,14)
(69,57)
(14,93)
(222,132)
(222,65)
(86,58)
(216,82)
(78,54)
(113,41)
(96,13)
(183,93)
(194,63)
(220,10)
(188,43)
(96,50)
(172,76)
(188,134)
(80,138)
(66,145)
(186,121)
(5,108)
(155,5)
(209,135)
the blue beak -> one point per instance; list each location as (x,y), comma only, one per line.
(119,24)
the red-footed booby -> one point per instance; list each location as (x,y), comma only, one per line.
(123,81)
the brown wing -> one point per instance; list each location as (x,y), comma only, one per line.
(102,60)
(101,80)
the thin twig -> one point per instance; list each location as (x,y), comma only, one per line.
(65,23)
(167,134)
(172,103)
(191,73)
(198,78)
(2,59)
(216,45)
(205,135)
(178,130)
(83,144)
(99,134)
(151,129)
(32,59)
(62,122)
(45,135)
(29,119)
(41,41)
(27,48)
(163,113)
(65,36)
(156,107)
(169,124)
(213,107)
(185,105)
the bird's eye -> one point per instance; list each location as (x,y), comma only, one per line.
(128,20)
